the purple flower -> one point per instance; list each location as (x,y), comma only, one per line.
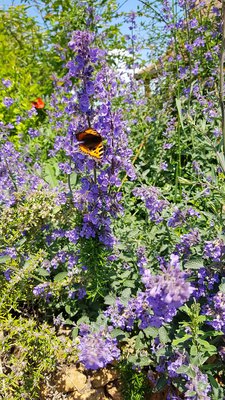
(98,199)
(142,260)
(8,101)
(155,205)
(164,166)
(187,242)
(84,103)
(6,82)
(7,274)
(214,250)
(199,42)
(197,386)
(96,350)
(33,132)
(207,279)
(167,146)
(42,290)
(216,310)
(177,361)
(164,294)
(81,41)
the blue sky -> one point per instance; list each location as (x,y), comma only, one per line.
(124,6)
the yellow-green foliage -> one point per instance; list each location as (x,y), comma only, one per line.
(23,54)
(27,216)
(28,350)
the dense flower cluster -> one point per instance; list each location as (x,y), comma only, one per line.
(164,293)
(152,198)
(187,241)
(89,103)
(206,281)
(198,387)
(14,174)
(214,250)
(216,310)
(179,217)
(97,349)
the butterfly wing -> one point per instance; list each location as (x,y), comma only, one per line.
(38,103)
(95,152)
(82,135)
(91,143)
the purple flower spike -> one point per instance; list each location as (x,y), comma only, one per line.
(97,350)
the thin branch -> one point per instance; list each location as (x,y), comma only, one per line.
(156,12)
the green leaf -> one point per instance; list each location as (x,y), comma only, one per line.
(178,104)
(74,333)
(193,350)
(126,293)
(181,340)
(196,263)
(118,333)
(163,335)
(183,369)
(221,159)
(60,276)
(151,332)
(129,284)
(161,383)
(4,259)
(49,173)
(42,272)
(190,393)
(110,300)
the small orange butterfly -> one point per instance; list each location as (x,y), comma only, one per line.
(91,143)
(38,103)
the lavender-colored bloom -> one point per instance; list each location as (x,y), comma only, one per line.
(142,260)
(81,41)
(8,101)
(81,293)
(6,82)
(177,361)
(195,70)
(84,103)
(167,146)
(96,350)
(11,252)
(7,274)
(214,250)
(189,47)
(42,290)
(207,279)
(33,132)
(100,203)
(158,303)
(196,167)
(155,205)
(193,23)
(187,242)
(217,132)
(121,316)
(216,310)
(198,387)
(164,166)
(165,293)
(180,216)
(199,42)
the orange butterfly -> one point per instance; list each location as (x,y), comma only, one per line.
(91,143)
(38,103)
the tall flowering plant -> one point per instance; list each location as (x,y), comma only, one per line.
(85,101)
